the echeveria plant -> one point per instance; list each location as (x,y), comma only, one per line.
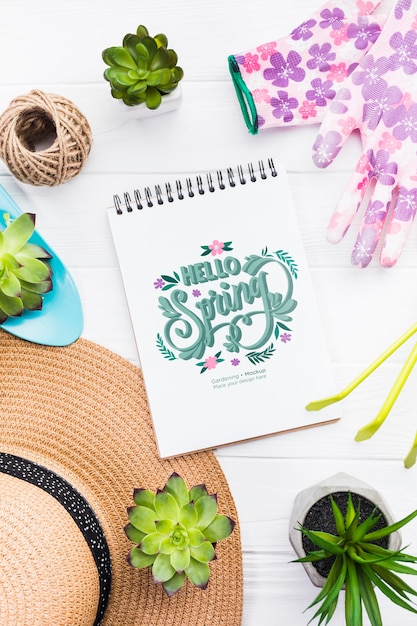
(24,273)
(359,565)
(174,531)
(143,69)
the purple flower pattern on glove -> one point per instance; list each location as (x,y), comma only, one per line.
(376,212)
(406,205)
(363,33)
(321,91)
(365,246)
(332,18)
(321,57)
(310,63)
(283,70)
(283,105)
(304,31)
(405,52)
(380,100)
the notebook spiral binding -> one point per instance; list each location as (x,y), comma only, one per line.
(230,177)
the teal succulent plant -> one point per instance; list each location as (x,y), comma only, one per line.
(24,272)
(359,565)
(143,69)
(174,531)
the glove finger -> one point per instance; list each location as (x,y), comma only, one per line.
(372,225)
(349,203)
(342,118)
(403,214)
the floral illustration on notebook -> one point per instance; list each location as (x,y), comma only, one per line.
(237,315)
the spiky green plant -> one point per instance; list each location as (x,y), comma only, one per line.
(143,69)
(359,566)
(175,529)
(24,274)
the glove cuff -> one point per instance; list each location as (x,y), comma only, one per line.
(291,80)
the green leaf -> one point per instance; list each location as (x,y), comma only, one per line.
(142,518)
(363,529)
(18,232)
(130,42)
(388,530)
(180,559)
(44,286)
(353,605)
(329,546)
(32,270)
(120,56)
(188,515)
(31,301)
(166,506)
(11,286)
(119,78)
(162,569)
(338,517)
(170,279)
(369,599)
(138,559)
(174,584)
(159,76)
(220,528)
(197,492)
(11,305)
(152,48)
(394,581)
(198,573)
(177,487)
(133,533)
(206,508)
(144,497)
(32,249)
(203,553)
(331,590)
(195,537)
(150,544)
(161,40)
(386,590)
(153,98)
(160,60)
(142,31)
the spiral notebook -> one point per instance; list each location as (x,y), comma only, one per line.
(222,306)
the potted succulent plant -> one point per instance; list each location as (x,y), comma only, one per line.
(347,540)
(144,71)
(25,275)
(175,531)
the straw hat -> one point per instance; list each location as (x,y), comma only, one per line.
(75,440)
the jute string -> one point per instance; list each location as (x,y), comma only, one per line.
(33,120)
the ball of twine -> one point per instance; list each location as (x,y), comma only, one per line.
(44,138)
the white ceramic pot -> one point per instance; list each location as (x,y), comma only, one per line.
(306,498)
(170,102)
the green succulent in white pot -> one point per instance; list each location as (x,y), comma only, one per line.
(25,275)
(175,531)
(143,70)
(349,544)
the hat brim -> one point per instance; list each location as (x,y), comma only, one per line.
(81,411)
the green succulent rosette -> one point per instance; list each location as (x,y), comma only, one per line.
(174,531)
(25,275)
(143,69)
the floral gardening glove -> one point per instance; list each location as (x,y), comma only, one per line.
(379,99)
(291,80)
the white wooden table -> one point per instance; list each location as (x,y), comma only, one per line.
(56,47)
